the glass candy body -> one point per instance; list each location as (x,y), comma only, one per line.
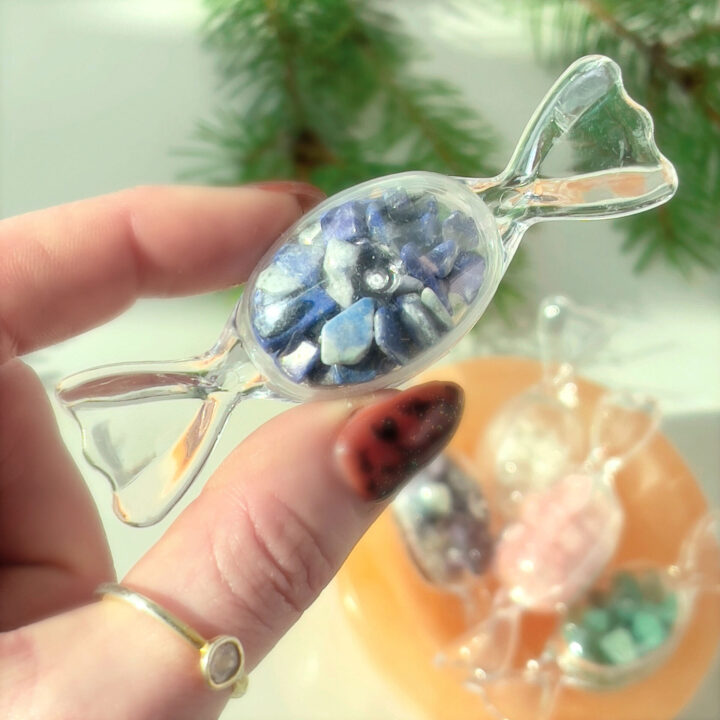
(401,269)
(566,533)
(631,621)
(371,286)
(623,629)
(536,437)
(562,540)
(444,520)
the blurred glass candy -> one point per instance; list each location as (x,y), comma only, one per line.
(536,436)
(368,288)
(445,523)
(563,537)
(624,628)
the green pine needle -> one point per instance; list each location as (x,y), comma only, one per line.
(323,91)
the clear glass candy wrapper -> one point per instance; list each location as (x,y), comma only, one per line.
(369,288)
(536,437)
(444,520)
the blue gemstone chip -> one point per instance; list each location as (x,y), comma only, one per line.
(346,222)
(346,338)
(314,306)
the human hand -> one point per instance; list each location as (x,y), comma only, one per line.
(268,531)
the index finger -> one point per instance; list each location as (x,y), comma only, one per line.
(69,268)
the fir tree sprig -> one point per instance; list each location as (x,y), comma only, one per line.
(670,56)
(324,91)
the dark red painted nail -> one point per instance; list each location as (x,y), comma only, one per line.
(385,444)
(307,195)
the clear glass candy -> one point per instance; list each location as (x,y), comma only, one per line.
(444,520)
(537,436)
(630,622)
(369,288)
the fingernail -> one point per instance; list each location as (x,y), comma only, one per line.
(383,445)
(307,195)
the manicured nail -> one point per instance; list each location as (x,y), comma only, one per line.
(383,445)
(307,195)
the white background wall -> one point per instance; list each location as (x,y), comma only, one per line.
(96,95)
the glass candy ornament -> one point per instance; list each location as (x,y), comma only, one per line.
(444,521)
(563,536)
(537,436)
(627,626)
(368,288)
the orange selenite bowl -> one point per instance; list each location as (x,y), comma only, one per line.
(404,621)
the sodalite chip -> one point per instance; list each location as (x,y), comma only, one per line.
(376,221)
(294,267)
(417,320)
(406,284)
(314,307)
(346,222)
(421,268)
(399,205)
(346,338)
(276,280)
(348,375)
(442,257)
(461,228)
(427,227)
(432,302)
(312,235)
(467,276)
(272,316)
(381,229)
(340,265)
(298,363)
(391,336)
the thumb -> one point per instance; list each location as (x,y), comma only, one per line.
(272,527)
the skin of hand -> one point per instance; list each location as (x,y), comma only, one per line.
(269,529)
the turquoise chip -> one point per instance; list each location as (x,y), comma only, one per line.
(648,630)
(596,621)
(618,647)
(624,610)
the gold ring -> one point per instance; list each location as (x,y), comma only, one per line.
(222,659)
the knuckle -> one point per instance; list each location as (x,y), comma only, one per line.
(272,562)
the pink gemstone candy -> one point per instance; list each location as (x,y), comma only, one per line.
(563,539)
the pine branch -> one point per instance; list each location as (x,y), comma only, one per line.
(323,91)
